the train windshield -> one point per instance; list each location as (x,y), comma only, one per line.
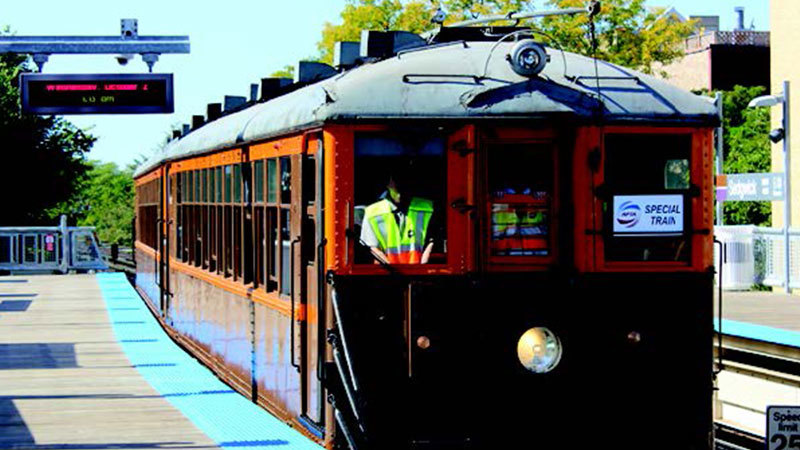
(400,188)
(520,191)
(648,180)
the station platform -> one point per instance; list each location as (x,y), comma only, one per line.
(761,315)
(84,365)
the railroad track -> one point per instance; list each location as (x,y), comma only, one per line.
(752,375)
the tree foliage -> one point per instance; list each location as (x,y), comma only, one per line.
(627,33)
(104,201)
(746,150)
(45,156)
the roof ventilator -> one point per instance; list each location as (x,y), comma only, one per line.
(185,129)
(308,72)
(233,102)
(385,44)
(197,121)
(213,111)
(346,54)
(274,87)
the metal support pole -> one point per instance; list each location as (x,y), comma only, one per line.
(787,202)
(719,150)
(65,253)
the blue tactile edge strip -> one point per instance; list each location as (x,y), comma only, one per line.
(759,332)
(226,417)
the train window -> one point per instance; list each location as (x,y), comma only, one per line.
(205,185)
(211,184)
(309,178)
(400,196)
(212,236)
(272,248)
(189,184)
(204,232)
(237,183)
(219,184)
(286,253)
(286,180)
(272,181)
(226,243)
(237,242)
(259,180)
(643,170)
(227,184)
(521,194)
(198,186)
(259,243)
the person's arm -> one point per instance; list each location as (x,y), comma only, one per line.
(369,239)
(379,255)
(426,254)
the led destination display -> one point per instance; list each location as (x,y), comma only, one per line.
(97,93)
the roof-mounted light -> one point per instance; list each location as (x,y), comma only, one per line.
(528,58)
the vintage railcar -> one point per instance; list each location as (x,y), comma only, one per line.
(567,299)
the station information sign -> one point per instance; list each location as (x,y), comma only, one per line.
(96,93)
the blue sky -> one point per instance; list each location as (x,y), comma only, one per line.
(234,43)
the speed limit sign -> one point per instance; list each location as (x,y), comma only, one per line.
(783,428)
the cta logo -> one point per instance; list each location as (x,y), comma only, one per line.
(628,214)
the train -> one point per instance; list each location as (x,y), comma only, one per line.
(464,240)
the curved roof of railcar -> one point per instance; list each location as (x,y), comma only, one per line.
(455,81)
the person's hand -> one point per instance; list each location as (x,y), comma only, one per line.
(426,254)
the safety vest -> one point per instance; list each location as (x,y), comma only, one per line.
(518,231)
(400,246)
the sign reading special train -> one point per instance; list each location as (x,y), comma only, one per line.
(97,93)
(648,214)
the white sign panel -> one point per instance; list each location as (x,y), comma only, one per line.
(648,214)
(754,187)
(783,427)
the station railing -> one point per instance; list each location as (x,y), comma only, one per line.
(49,249)
(755,256)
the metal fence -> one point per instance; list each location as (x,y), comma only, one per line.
(755,256)
(49,249)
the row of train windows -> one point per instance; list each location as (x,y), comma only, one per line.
(226,184)
(148,208)
(213,229)
(217,239)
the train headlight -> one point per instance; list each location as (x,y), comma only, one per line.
(528,58)
(539,350)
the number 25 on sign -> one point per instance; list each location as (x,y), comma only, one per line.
(783,428)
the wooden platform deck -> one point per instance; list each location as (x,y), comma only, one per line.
(65,382)
(770,309)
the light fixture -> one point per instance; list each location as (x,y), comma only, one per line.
(528,58)
(539,350)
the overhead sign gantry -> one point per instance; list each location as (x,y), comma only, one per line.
(97,93)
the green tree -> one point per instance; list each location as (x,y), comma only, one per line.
(104,201)
(627,32)
(44,157)
(746,150)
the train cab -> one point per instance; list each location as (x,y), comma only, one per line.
(474,240)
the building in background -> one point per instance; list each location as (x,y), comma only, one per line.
(784,19)
(716,59)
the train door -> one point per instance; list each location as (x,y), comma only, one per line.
(159,243)
(168,203)
(306,242)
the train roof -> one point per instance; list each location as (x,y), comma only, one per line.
(455,80)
